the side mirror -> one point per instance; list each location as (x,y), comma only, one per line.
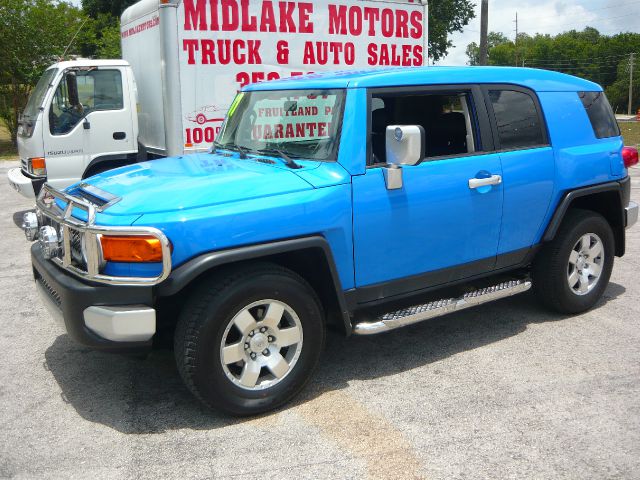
(72,88)
(405,145)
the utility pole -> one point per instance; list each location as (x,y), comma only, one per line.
(484,25)
(631,62)
(516,42)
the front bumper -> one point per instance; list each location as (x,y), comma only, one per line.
(630,214)
(26,186)
(103,317)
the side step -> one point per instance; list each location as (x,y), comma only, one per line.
(437,308)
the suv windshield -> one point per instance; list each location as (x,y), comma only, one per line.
(38,93)
(298,123)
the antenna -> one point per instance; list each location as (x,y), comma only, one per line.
(516,42)
(73,38)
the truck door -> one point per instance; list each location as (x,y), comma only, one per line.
(88,119)
(439,226)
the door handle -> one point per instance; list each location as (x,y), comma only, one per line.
(119,135)
(483,182)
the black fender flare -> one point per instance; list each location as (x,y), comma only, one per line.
(621,187)
(190,270)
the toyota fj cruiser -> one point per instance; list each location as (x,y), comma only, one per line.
(364,200)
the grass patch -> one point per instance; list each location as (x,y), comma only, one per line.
(7,150)
(630,133)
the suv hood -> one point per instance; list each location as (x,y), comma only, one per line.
(194,181)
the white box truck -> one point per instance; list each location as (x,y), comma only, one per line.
(183,62)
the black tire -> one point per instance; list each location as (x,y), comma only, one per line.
(208,311)
(551,265)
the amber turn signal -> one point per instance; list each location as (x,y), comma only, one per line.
(135,249)
(38,166)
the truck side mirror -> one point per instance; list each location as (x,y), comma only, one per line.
(405,145)
(72,88)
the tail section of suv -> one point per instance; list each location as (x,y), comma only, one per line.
(365,201)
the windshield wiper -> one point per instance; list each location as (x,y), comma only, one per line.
(241,150)
(290,162)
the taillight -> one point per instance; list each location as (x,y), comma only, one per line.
(629,156)
(37,166)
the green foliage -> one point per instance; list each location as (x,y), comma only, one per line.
(33,34)
(446,17)
(588,54)
(493,40)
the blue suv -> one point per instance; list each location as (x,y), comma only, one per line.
(365,201)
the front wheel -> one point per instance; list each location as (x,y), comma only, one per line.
(248,342)
(571,272)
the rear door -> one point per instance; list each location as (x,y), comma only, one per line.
(528,167)
(439,227)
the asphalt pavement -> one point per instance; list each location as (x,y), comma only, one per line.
(505,390)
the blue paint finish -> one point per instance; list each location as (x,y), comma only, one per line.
(527,177)
(580,158)
(435,221)
(216,201)
(324,211)
(538,80)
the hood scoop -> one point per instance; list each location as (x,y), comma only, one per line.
(94,195)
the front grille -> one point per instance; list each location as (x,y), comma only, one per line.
(53,295)
(75,240)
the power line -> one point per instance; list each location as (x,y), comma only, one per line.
(590,9)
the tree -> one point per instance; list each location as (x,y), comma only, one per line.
(33,34)
(104,27)
(446,17)
(493,39)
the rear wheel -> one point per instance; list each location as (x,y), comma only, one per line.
(248,342)
(571,272)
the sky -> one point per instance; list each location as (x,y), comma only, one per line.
(547,16)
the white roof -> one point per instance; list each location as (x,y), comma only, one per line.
(88,62)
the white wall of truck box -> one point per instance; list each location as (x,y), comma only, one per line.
(190,57)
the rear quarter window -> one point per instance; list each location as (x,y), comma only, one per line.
(517,119)
(600,114)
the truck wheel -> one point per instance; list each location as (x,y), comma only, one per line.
(248,342)
(571,273)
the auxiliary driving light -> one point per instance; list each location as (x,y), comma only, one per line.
(49,242)
(30,225)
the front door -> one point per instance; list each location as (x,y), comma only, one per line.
(100,125)
(441,225)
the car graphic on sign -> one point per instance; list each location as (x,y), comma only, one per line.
(206,114)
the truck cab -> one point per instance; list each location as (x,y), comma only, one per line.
(364,201)
(80,120)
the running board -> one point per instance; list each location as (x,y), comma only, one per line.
(437,308)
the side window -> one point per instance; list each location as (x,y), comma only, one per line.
(447,120)
(600,114)
(97,90)
(62,115)
(517,119)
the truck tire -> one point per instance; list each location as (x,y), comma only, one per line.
(248,341)
(572,271)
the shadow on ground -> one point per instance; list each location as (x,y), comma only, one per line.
(148,396)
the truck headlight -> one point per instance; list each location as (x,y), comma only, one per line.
(30,225)
(49,242)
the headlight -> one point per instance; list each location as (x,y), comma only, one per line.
(30,225)
(49,242)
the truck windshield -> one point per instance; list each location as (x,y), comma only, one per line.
(38,93)
(298,123)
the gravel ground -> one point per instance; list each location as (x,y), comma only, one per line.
(505,390)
